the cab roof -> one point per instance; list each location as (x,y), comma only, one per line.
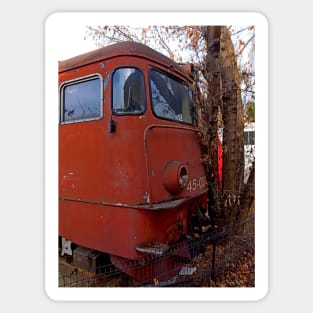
(127,48)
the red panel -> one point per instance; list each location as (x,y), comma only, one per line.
(166,144)
(119,230)
(97,166)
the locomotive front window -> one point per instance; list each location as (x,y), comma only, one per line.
(129,95)
(81,100)
(171,99)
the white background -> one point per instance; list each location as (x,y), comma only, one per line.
(22,156)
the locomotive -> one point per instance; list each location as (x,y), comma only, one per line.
(131,179)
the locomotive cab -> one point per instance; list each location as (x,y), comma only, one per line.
(131,181)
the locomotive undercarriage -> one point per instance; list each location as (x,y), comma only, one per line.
(161,260)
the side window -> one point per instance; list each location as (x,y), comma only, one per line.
(129,96)
(81,100)
(249,137)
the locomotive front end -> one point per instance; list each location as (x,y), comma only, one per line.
(131,181)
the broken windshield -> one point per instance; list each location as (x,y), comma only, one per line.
(171,99)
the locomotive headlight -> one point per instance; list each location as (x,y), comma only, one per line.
(175,177)
(182,177)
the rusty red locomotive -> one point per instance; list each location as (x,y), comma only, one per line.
(130,170)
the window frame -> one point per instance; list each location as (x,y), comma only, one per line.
(192,123)
(112,92)
(247,135)
(74,81)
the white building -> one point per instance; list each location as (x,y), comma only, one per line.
(249,146)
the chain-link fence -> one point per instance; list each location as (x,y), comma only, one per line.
(223,257)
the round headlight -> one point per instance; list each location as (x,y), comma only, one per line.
(182,177)
(175,177)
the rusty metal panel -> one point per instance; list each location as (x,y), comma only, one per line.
(168,144)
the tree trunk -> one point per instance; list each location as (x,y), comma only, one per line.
(233,137)
(213,78)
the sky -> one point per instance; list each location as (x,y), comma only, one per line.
(71,41)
